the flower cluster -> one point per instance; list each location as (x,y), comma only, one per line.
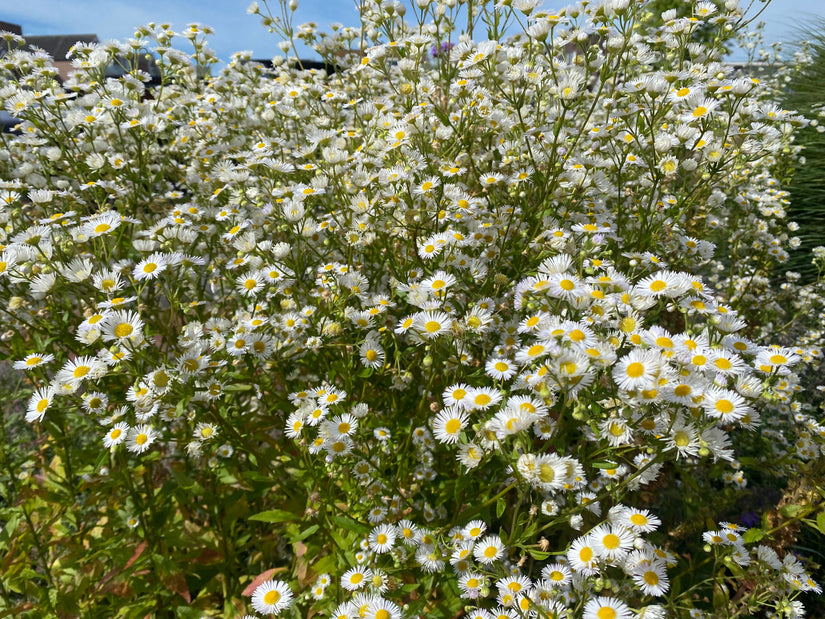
(460,325)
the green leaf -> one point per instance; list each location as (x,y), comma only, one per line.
(307,532)
(501,505)
(820,522)
(237,387)
(604,465)
(324,564)
(275,515)
(349,524)
(753,535)
(538,555)
(789,511)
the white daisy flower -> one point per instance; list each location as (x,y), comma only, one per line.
(272,597)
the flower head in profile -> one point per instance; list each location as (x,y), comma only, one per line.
(32,361)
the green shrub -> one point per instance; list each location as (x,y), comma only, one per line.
(467,329)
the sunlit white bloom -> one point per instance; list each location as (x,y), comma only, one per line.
(140,438)
(272,597)
(32,361)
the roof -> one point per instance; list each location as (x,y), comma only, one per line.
(58,45)
(9,27)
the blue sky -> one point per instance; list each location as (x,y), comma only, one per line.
(236,30)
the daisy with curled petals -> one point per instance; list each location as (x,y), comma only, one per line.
(683,437)
(32,361)
(508,422)
(272,597)
(448,424)
(478,320)
(550,472)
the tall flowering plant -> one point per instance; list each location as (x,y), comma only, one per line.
(482,332)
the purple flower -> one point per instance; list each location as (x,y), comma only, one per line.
(445,47)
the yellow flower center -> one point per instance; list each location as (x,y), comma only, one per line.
(124,329)
(635,369)
(452,426)
(605,612)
